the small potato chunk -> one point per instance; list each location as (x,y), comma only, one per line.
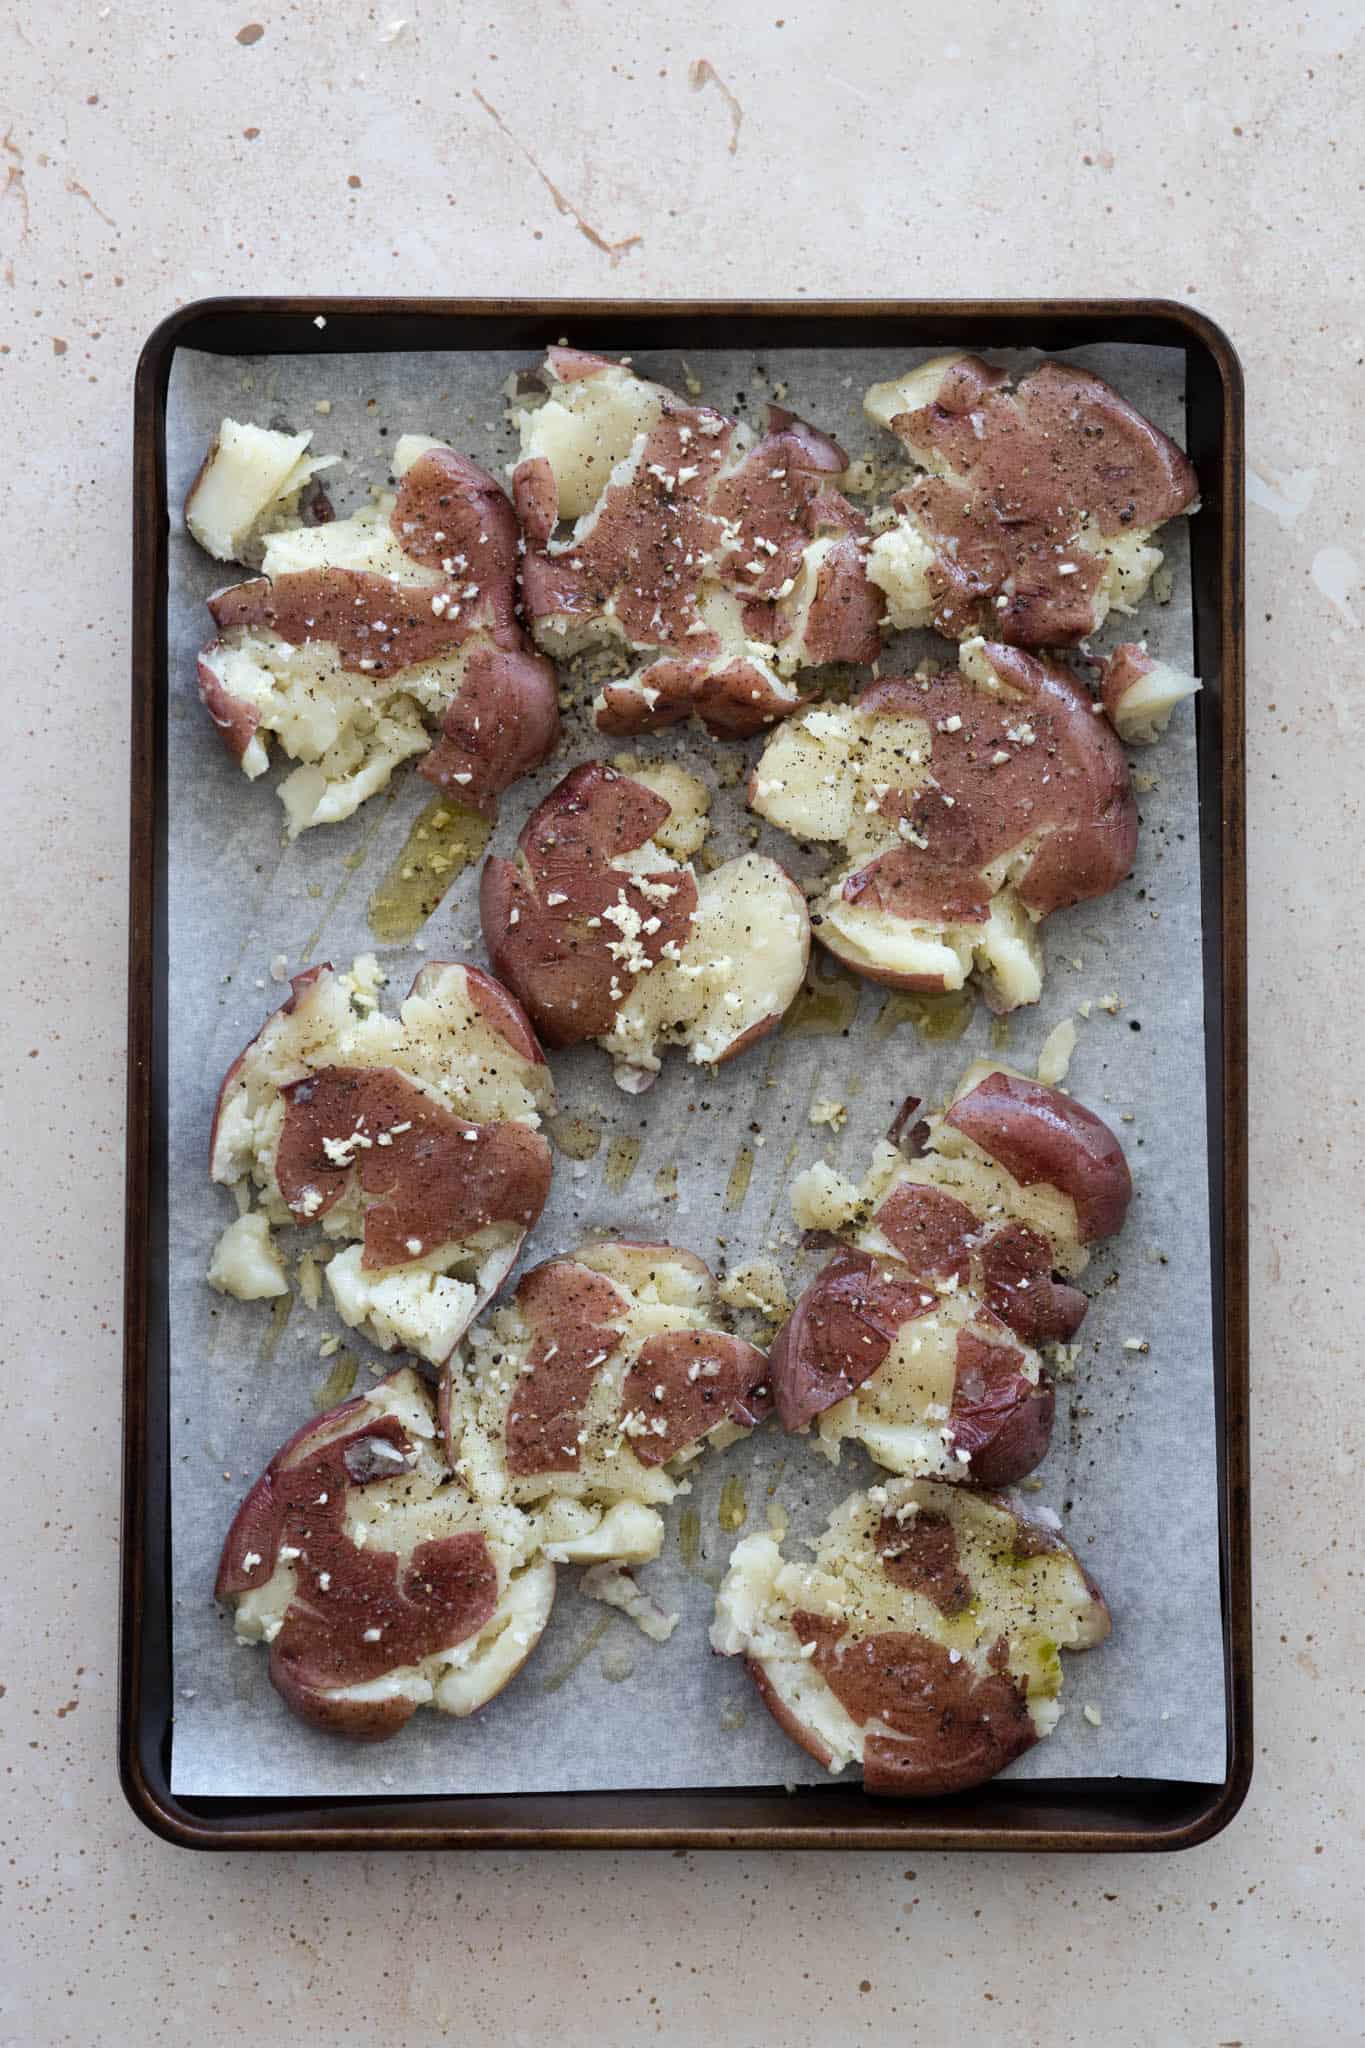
(595,1389)
(962,809)
(375,639)
(246,1261)
(379,1582)
(603,929)
(413,1140)
(923,1337)
(725,562)
(921,1643)
(1033,514)
(247,486)
(1139,693)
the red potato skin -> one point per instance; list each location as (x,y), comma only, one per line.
(692,1409)
(844,622)
(555,962)
(438,1181)
(576,1313)
(235,719)
(570,364)
(1070,784)
(840,1332)
(1000,1417)
(298,988)
(1127,665)
(503,723)
(733,702)
(575,1317)
(495,1003)
(1040,1135)
(1018,1287)
(803,1736)
(1006,1425)
(536,497)
(929,1229)
(322,1625)
(1024,468)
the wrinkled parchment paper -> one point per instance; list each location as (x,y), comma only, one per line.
(1132,1469)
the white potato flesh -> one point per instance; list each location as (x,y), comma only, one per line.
(742,964)
(423,1311)
(443,1042)
(1130,562)
(688,800)
(874,939)
(910,392)
(1054,1057)
(822,1199)
(585,1532)
(246,1261)
(898,562)
(1038,1604)
(364,542)
(760,1284)
(584,429)
(422,1503)
(900,1415)
(347,729)
(822,777)
(1144,711)
(250,483)
(614,1587)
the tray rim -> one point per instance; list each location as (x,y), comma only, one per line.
(1036,1815)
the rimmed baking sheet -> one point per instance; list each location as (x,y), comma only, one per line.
(1133,1469)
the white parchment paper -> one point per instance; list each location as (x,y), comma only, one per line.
(1132,1469)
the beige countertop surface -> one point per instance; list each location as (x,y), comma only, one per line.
(157,153)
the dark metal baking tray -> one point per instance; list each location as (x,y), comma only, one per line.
(1080,1814)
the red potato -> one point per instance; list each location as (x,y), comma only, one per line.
(596,1387)
(664,530)
(922,1643)
(1139,693)
(1035,507)
(922,1338)
(365,636)
(379,1582)
(603,929)
(411,1141)
(964,808)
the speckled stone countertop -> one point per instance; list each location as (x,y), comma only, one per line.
(153,154)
